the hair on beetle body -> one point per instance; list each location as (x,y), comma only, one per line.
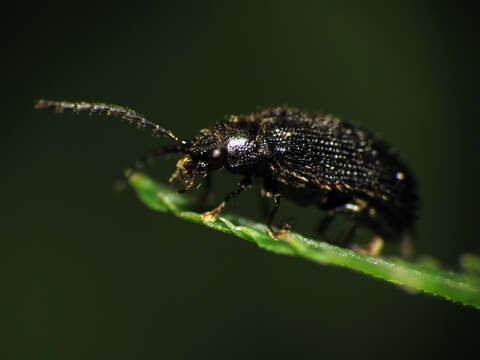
(310,159)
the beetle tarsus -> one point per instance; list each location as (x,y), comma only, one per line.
(279,234)
(212,215)
(373,248)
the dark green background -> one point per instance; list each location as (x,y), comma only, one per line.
(87,272)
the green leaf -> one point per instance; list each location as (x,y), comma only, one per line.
(424,275)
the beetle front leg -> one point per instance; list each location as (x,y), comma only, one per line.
(205,192)
(212,215)
(145,161)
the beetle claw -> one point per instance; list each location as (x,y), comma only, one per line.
(212,215)
(373,248)
(278,235)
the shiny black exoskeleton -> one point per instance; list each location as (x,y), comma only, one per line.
(311,159)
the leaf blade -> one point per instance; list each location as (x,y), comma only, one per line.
(459,287)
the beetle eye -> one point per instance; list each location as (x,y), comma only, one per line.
(216,158)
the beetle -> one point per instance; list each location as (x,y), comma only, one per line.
(308,158)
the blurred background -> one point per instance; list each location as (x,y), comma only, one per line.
(88,272)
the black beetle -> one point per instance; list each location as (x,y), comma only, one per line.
(311,159)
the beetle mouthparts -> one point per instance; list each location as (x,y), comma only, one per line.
(184,174)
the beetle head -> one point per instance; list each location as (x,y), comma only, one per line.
(226,145)
(205,153)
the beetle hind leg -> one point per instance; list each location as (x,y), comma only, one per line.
(346,241)
(355,209)
(373,248)
(324,225)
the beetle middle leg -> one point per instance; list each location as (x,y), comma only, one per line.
(212,215)
(269,217)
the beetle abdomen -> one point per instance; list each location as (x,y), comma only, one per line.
(313,151)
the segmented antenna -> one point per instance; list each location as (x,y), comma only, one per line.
(109,110)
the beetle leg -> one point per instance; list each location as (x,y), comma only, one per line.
(285,228)
(264,204)
(354,209)
(325,223)
(406,245)
(323,226)
(373,248)
(348,239)
(243,185)
(145,161)
(207,187)
(276,205)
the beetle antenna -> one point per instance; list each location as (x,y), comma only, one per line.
(110,110)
